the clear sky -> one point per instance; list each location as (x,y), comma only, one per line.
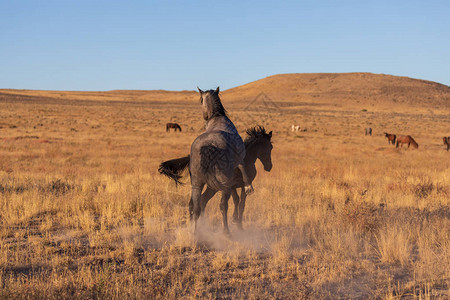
(177,45)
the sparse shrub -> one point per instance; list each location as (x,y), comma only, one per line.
(394,245)
(423,190)
(59,187)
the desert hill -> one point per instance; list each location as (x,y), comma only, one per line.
(332,88)
(346,88)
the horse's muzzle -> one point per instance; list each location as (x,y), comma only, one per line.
(268,168)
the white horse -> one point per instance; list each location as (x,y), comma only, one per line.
(295,128)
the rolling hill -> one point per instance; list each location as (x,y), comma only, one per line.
(335,88)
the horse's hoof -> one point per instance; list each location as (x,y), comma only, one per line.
(249,189)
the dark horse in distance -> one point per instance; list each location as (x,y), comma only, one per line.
(368,131)
(406,139)
(258,145)
(391,138)
(447,141)
(215,155)
(175,126)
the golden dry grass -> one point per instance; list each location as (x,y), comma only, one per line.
(84,213)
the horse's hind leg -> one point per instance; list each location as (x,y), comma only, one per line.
(206,196)
(191,209)
(196,208)
(236,200)
(224,209)
(241,208)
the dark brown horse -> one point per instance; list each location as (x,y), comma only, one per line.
(258,145)
(369,131)
(447,141)
(406,139)
(391,138)
(175,126)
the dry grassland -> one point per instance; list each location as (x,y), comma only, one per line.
(84,213)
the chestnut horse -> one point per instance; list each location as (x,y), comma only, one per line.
(175,126)
(406,139)
(447,142)
(391,137)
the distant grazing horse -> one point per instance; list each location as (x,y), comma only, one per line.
(406,139)
(215,155)
(391,138)
(295,128)
(369,131)
(447,142)
(175,126)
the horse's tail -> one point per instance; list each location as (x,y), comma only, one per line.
(395,137)
(174,168)
(413,142)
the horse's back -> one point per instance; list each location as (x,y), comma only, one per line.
(215,155)
(232,144)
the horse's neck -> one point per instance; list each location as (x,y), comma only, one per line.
(251,155)
(221,123)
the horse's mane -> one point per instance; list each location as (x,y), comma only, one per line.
(217,107)
(413,142)
(254,134)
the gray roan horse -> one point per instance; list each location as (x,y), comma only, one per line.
(215,155)
(258,145)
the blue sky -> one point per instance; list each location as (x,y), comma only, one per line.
(177,45)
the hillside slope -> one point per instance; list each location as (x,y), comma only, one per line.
(346,88)
(331,88)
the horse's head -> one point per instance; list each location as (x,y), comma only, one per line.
(265,152)
(262,143)
(445,139)
(211,104)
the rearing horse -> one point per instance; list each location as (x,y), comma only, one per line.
(215,155)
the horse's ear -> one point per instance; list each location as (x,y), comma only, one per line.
(217,90)
(199,90)
(270,134)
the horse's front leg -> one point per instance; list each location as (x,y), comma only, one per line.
(248,184)
(224,209)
